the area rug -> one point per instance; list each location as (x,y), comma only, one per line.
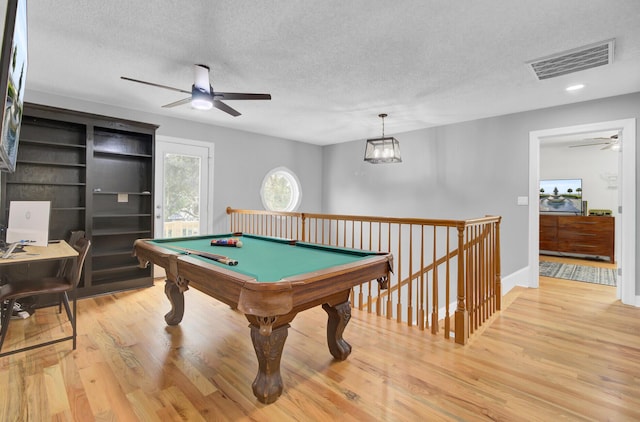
(606,276)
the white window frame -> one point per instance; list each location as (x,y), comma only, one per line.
(294,203)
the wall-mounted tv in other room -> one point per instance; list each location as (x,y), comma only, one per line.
(561,195)
(13,75)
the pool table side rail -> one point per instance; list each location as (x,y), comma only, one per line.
(204,236)
(279,298)
(342,249)
(312,291)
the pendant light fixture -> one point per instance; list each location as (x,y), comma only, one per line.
(382,150)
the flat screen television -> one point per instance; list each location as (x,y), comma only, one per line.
(13,75)
(561,195)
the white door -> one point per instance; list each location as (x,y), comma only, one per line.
(182,189)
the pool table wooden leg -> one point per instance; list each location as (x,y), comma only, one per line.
(267,386)
(339,316)
(176,298)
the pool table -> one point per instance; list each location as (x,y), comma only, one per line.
(270,281)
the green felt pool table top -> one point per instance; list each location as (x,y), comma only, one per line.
(268,259)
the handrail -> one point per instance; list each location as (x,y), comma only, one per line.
(445,258)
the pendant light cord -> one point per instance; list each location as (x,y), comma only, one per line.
(382,116)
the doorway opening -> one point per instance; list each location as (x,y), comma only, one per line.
(625,224)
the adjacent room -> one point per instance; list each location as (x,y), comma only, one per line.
(578,195)
(234,210)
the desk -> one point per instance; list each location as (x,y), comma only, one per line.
(35,255)
(55,251)
(273,281)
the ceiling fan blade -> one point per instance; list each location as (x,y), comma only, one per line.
(154,84)
(177,103)
(589,145)
(222,106)
(242,96)
(613,146)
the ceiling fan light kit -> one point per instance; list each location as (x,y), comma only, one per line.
(200,100)
(382,150)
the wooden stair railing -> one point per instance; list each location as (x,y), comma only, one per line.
(443,259)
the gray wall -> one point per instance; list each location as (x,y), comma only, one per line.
(241,159)
(464,170)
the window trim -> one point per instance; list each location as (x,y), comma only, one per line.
(295,184)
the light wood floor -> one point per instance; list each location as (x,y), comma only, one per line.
(566,351)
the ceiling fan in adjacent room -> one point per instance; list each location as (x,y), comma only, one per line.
(610,142)
(203,97)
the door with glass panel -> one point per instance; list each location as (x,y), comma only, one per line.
(182,188)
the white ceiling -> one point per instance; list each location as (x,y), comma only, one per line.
(330,66)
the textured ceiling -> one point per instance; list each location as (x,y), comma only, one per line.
(330,66)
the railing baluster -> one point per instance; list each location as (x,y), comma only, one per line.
(447,284)
(399,295)
(434,299)
(389,296)
(423,281)
(410,284)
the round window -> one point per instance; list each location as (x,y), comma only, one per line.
(280,190)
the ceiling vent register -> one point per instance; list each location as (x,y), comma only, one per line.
(576,60)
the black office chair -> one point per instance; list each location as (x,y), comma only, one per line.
(65,281)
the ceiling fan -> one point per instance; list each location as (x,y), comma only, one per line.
(203,97)
(609,143)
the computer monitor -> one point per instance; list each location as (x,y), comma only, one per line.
(29,222)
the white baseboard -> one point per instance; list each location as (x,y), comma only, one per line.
(520,277)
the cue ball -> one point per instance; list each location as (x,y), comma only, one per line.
(239,244)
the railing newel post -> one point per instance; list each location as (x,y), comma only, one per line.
(461,314)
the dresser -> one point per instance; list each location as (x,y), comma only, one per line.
(582,235)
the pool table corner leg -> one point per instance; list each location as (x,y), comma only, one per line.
(267,386)
(176,298)
(339,316)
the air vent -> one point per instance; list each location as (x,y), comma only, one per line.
(571,61)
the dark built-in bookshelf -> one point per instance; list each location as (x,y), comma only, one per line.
(97,172)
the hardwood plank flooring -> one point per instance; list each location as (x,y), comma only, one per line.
(566,351)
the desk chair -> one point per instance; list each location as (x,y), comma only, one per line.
(65,281)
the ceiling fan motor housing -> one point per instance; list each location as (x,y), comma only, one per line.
(201,78)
